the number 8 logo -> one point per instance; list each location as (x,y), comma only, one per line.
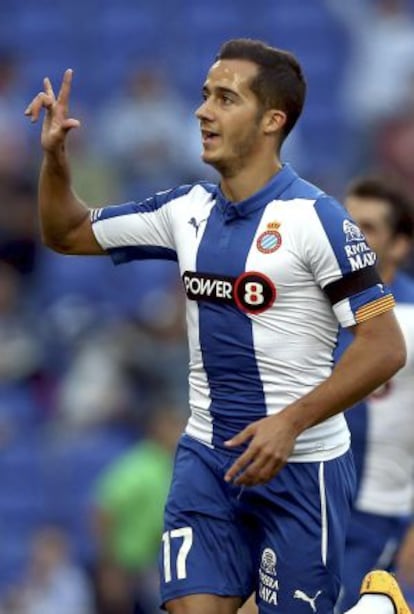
(254,292)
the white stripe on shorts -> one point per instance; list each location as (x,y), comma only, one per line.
(324,516)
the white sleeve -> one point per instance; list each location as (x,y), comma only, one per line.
(343,264)
(134,231)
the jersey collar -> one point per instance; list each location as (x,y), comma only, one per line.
(271,191)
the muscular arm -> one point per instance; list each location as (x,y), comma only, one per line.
(375,355)
(64,219)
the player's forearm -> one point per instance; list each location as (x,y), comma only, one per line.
(60,211)
(363,368)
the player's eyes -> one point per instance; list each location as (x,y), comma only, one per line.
(224,99)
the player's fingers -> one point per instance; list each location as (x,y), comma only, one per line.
(259,471)
(29,108)
(42,100)
(241,437)
(64,92)
(49,88)
(70,123)
(240,463)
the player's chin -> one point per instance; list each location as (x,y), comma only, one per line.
(207,153)
(210,157)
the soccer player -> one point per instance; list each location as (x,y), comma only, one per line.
(382,428)
(263,478)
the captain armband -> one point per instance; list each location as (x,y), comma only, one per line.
(351,284)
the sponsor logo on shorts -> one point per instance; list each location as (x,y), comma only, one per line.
(251,292)
(310,600)
(268,582)
(269,561)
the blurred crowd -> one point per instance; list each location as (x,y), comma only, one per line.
(93,358)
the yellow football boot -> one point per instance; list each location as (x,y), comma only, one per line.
(381,582)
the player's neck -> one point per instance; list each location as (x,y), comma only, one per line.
(249,179)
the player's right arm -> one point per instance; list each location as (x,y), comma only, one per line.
(64,218)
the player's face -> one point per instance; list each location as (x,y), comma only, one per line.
(229,116)
(372,216)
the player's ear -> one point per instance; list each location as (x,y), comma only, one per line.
(273,121)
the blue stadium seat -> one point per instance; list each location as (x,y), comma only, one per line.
(22,477)
(18,408)
(13,559)
(23,503)
(74,465)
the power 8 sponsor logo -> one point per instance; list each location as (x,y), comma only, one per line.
(251,292)
(254,292)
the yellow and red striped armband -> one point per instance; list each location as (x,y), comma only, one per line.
(374,308)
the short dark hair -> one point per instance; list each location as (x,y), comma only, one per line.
(280,82)
(401,217)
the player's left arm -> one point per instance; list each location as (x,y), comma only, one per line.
(376,353)
(342,264)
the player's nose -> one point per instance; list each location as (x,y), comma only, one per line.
(204,111)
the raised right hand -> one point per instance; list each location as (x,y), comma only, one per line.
(56,124)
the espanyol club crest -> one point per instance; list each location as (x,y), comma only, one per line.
(270,240)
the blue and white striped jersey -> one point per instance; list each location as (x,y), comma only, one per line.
(267,281)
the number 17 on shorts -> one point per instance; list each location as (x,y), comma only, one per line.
(176,546)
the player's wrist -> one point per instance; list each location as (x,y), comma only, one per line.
(55,157)
(296,419)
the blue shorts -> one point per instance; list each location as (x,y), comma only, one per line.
(372,543)
(285,539)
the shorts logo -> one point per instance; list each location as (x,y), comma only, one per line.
(269,241)
(304,597)
(269,560)
(251,292)
(268,582)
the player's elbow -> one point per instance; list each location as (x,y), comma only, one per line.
(401,356)
(59,245)
(385,345)
(395,354)
(63,239)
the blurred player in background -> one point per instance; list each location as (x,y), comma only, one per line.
(263,478)
(130,495)
(382,427)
